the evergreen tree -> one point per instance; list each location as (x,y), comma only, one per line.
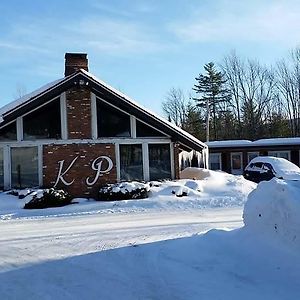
(213,96)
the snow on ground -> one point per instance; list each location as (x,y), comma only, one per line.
(170,249)
(217,189)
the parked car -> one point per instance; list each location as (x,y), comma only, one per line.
(266,167)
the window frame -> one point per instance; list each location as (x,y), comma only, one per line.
(288,152)
(240,170)
(251,152)
(219,155)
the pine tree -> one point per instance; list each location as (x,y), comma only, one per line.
(213,95)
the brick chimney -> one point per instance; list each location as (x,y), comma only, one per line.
(75,62)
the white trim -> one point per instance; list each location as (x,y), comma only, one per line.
(63,116)
(172,160)
(116,107)
(240,170)
(20,132)
(154,128)
(145,153)
(7,124)
(85,141)
(133,126)
(118,165)
(94,116)
(272,153)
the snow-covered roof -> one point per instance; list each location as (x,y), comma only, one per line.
(247,143)
(24,99)
(12,106)
(134,103)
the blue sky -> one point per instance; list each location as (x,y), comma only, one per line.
(143,48)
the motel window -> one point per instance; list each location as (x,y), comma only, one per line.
(24,167)
(1,169)
(131,162)
(43,123)
(252,155)
(159,161)
(143,130)
(282,154)
(215,161)
(111,121)
(9,132)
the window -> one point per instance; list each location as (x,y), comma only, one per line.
(282,154)
(43,123)
(111,121)
(215,161)
(9,132)
(24,167)
(159,161)
(131,162)
(1,169)
(252,155)
(143,130)
(236,163)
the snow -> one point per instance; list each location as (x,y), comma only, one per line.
(247,143)
(273,209)
(164,247)
(282,167)
(12,105)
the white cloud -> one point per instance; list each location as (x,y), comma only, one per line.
(273,21)
(91,33)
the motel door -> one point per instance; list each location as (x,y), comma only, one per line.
(236,163)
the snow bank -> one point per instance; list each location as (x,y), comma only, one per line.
(194,173)
(273,209)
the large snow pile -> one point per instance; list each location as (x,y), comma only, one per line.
(217,189)
(273,209)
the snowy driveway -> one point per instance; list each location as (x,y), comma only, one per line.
(26,241)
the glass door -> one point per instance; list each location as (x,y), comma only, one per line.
(237,163)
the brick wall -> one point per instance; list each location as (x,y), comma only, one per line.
(79,113)
(82,168)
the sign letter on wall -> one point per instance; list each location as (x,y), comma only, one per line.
(61,173)
(97,166)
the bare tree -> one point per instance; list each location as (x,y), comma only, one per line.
(175,106)
(289,87)
(20,91)
(252,86)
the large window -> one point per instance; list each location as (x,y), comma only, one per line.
(215,161)
(43,123)
(159,161)
(1,169)
(111,121)
(131,162)
(282,154)
(143,130)
(24,167)
(9,132)
(252,155)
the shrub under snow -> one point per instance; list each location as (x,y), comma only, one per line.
(124,191)
(48,198)
(274,209)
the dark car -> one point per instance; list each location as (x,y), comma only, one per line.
(266,167)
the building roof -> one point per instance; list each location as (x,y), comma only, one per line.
(99,87)
(257,143)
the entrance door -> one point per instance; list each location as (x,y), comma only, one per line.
(237,163)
